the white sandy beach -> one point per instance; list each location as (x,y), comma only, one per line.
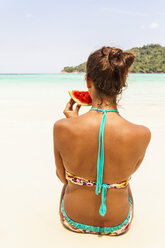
(30,191)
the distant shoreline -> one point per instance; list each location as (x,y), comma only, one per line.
(48,73)
(129,72)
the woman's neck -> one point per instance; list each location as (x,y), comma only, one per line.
(105,105)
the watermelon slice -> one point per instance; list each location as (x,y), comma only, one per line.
(81,97)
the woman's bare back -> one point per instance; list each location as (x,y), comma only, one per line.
(125,144)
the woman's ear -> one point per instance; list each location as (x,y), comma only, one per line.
(88,82)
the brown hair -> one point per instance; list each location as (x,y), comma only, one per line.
(108,68)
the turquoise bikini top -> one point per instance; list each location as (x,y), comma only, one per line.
(100,161)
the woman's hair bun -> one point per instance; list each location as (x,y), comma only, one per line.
(115,52)
(111,52)
(108,67)
(105,51)
(129,58)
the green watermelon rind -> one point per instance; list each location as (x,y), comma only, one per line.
(77,100)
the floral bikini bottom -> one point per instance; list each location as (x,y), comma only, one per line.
(82,228)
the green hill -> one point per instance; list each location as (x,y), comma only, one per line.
(149,59)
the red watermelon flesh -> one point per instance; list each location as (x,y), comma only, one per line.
(81,97)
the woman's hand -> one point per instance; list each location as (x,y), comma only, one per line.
(69,112)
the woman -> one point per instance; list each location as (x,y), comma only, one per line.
(97,152)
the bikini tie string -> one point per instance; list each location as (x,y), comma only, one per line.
(100,160)
(103,208)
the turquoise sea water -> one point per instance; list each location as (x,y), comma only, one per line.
(142,88)
(143,100)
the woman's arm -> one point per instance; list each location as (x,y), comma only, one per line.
(130,194)
(62,193)
(60,169)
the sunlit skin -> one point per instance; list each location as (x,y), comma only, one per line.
(75,149)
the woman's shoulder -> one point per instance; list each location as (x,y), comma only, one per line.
(142,131)
(65,127)
(137,128)
(60,127)
(140,138)
(62,123)
(136,132)
(144,134)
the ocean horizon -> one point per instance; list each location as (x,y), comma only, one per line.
(23,95)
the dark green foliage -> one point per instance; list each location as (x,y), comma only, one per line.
(79,68)
(149,59)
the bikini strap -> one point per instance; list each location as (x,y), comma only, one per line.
(100,160)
